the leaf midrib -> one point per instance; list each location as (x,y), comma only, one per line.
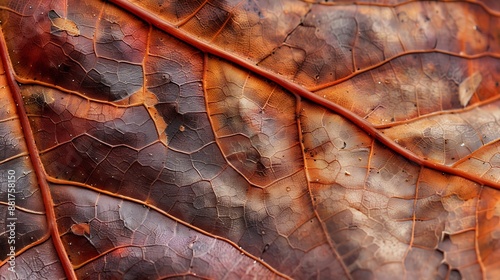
(301,92)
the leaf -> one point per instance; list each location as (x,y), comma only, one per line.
(250,139)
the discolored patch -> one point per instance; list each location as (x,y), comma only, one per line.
(468,87)
(81,229)
(60,24)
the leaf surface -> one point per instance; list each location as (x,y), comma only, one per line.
(250,139)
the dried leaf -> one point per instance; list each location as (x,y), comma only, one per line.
(249,139)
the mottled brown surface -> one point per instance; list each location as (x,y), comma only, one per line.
(251,139)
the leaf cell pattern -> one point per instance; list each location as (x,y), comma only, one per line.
(250,139)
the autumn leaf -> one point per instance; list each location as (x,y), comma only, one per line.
(250,139)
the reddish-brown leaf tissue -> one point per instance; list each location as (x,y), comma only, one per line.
(259,139)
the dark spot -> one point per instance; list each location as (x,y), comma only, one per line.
(261,169)
(37,99)
(265,248)
(455,274)
(65,68)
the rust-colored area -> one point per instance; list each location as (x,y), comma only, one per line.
(250,139)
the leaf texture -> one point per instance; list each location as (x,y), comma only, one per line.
(250,139)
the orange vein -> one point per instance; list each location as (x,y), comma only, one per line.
(328,238)
(168,215)
(297,89)
(477,246)
(394,57)
(35,161)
